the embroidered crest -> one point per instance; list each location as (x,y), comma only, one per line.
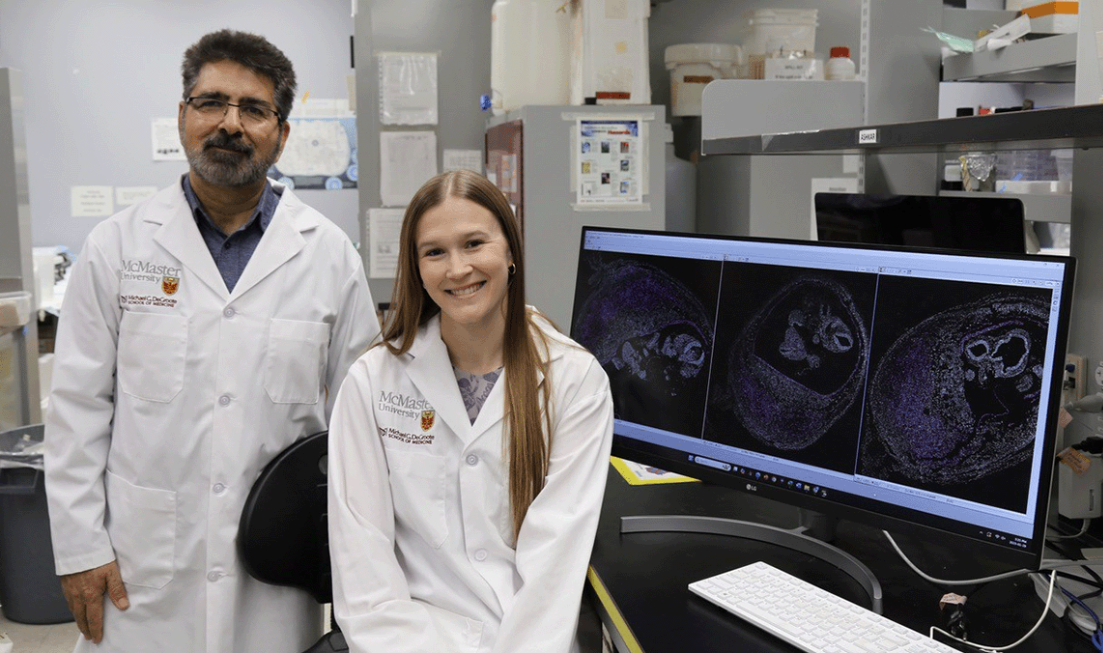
(170,285)
(427,419)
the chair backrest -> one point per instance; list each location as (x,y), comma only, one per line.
(283,537)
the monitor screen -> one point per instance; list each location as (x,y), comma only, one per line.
(917,389)
(986,224)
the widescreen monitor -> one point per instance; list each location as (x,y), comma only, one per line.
(914,389)
(983,223)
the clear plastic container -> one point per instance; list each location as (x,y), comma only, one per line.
(783,33)
(692,66)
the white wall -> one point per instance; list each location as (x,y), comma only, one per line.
(95,73)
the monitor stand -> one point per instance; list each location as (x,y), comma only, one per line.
(803,539)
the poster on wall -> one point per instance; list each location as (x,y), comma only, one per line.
(407,88)
(609,160)
(320,154)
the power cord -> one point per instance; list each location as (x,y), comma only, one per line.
(994,649)
(958,624)
(1083,529)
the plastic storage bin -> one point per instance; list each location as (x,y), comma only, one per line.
(30,591)
(782,33)
(692,66)
(609,52)
(529,60)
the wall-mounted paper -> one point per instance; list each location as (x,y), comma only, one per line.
(407,88)
(91,201)
(166,140)
(127,195)
(610,162)
(407,160)
(384,226)
(463,160)
(320,152)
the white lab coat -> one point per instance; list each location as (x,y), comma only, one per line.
(421,537)
(167,403)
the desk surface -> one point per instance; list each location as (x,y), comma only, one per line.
(643,577)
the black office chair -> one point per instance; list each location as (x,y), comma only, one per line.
(283,537)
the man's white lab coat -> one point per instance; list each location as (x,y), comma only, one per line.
(171,394)
(421,534)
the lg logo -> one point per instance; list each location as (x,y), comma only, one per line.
(752,488)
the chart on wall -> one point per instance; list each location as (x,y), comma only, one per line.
(320,154)
(610,161)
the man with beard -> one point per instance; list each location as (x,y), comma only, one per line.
(202,332)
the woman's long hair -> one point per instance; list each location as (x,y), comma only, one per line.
(528,441)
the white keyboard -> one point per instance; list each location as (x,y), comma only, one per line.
(806,616)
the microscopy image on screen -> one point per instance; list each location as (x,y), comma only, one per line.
(790,363)
(954,390)
(650,326)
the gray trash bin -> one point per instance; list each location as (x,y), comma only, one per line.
(30,591)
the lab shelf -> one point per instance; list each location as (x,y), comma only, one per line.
(1049,59)
(1064,127)
(1039,207)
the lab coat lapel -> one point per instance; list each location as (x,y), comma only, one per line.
(180,237)
(282,240)
(431,373)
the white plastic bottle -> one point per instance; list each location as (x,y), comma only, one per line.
(839,66)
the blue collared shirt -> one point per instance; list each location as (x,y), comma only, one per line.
(232,253)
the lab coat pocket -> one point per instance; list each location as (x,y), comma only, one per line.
(142,525)
(457,632)
(152,353)
(417,489)
(296,361)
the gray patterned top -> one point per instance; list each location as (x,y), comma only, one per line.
(475,388)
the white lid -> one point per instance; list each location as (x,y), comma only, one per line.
(703,53)
(781,17)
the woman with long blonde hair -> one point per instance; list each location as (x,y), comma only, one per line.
(468,450)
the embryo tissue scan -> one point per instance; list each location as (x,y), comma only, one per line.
(795,364)
(651,330)
(953,396)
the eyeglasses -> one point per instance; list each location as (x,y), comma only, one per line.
(212,108)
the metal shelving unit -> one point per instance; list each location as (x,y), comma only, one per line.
(1066,127)
(1049,59)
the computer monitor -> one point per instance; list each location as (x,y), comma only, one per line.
(986,224)
(917,390)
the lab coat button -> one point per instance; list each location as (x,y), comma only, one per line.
(228,313)
(472,460)
(224,400)
(214,576)
(219,488)
(480,555)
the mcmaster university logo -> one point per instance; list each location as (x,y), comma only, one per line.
(170,285)
(427,419)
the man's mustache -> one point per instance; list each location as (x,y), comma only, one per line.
(227,142)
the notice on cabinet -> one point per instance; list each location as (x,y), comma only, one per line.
(610,162)
(384,226)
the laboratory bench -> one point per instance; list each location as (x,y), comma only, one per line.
(639,580)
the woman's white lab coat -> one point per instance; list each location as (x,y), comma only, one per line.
(424,559)
(171,394)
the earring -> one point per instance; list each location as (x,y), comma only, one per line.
(512,269)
